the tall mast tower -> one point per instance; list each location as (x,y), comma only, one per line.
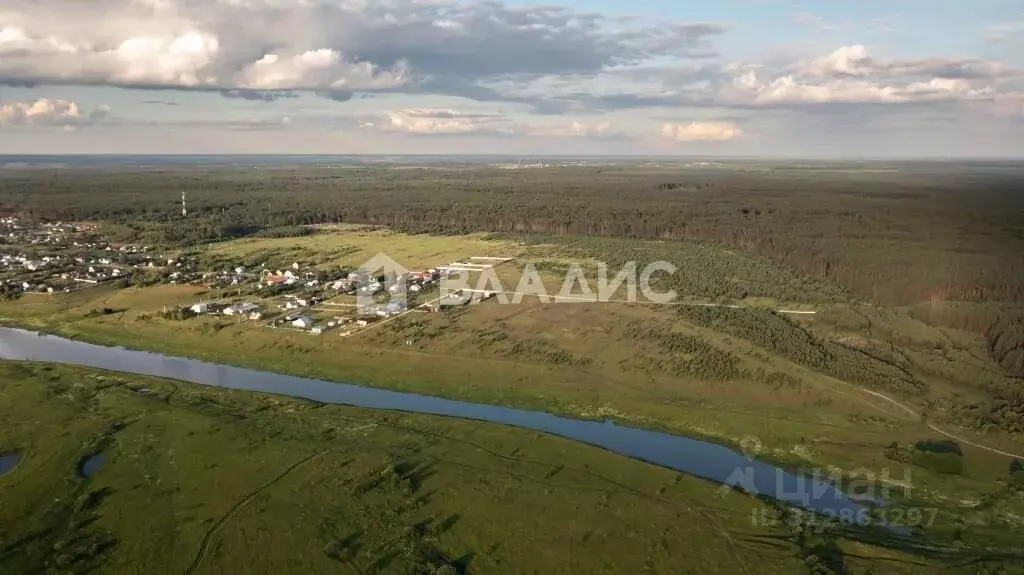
(184,211)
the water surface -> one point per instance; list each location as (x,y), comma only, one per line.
(9,461)
(698,458)
(91,464)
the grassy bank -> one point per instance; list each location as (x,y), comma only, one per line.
(201,480)
(591,362)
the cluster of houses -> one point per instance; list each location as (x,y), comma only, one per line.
(65,257)
(248,310)
(304,322)
(40,234)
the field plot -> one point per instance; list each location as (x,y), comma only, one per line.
(351,247)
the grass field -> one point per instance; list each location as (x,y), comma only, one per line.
(651,366)
(352,245)
(199,480)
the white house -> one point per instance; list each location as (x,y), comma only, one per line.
(303,322)
(200,308)
(241,309)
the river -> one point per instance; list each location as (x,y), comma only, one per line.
(691,456)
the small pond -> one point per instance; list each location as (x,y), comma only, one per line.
(88,466)
(9,461)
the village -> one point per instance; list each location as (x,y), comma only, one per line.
(346,300)
(48,259)
(45,258)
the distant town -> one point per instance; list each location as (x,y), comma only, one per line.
(40,259)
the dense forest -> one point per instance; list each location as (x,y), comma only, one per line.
(890,234)
(945,239)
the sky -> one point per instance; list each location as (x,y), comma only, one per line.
(871,78)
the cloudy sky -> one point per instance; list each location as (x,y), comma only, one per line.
(730,77)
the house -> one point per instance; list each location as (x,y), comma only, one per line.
(241,309)
(290,304)
(316,330)
(255,316)
(453,300)
(415,288)
(200,308)
(303,322)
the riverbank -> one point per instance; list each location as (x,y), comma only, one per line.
(816,425)
(198,479)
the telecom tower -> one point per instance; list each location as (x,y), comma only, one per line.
(184,211)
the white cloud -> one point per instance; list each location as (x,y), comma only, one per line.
(856,61)
(318,69)
(326,46)
(1007,30)
(440,121)
(46,112)
(701,132)
(845,77)
(446,121)
(597,130)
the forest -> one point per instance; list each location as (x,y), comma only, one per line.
(892,234)
(909,234)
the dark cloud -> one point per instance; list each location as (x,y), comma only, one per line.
(258,95)
(336,95)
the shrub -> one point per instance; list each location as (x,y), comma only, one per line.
(939,446)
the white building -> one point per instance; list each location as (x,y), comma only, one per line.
(241,309)
(200,308)
(303,322)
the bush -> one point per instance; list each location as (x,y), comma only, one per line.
(939,446)
(949,463)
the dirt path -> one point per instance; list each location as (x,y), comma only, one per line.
(918,417)
(239,506)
